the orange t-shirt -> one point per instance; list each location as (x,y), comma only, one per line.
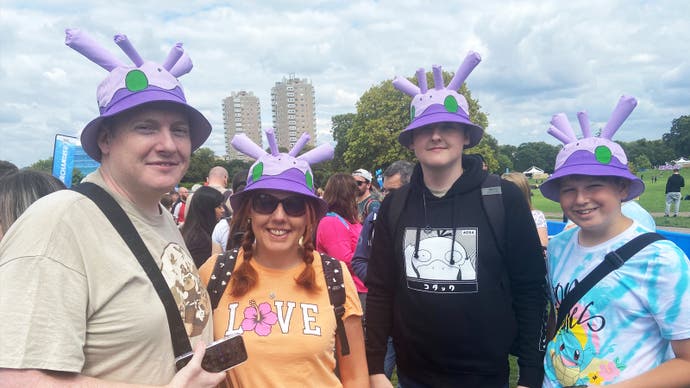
(289,333)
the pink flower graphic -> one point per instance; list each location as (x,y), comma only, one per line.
(260,318)
(608,371)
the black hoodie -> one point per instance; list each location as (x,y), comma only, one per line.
(455,309)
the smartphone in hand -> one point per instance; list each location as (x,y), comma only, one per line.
(220,355)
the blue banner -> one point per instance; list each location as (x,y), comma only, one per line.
(68,155)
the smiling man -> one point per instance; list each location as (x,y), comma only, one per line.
(454,296)
(78,308)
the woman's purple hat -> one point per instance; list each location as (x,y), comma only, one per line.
(591,155)
(127,87)
(440,104)
(281,171)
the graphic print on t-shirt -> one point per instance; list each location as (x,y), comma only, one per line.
(441,260)
(192,299)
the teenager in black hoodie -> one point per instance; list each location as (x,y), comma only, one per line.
(439,283)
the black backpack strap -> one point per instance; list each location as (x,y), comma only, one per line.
(612,261)
(398,198)
(114,213)
(225,264)
(332,271)
(492,202)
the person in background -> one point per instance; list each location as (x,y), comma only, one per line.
(7,168)
(19,190)
(647,297)
(522,183)
(180,205)
(673,185)
(277,296)
(395,176)
(221,236)
(339,230)
(455,300)
(204,212)
(167,201)
(367,201)
(78,310)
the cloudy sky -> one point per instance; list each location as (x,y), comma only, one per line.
(538,58)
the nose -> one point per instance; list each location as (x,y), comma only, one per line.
(279,213)
(166,141)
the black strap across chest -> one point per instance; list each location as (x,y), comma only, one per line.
(124,226)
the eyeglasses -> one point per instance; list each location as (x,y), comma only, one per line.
(294,206)
(359,183)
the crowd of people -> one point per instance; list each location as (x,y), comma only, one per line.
(440,275)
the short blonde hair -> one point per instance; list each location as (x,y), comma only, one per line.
(521,182)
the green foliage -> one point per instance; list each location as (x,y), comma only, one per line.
(200,163)
(641,162)
(539,154)
(678,137)
(656,151)
(45,165)
(341,126)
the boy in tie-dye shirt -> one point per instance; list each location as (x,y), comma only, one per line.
(632,327)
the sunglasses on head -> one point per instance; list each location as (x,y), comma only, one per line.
(294,205)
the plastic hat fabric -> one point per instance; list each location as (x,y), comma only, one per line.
(363,173)
(440,104)
(281,171)
(127,87)
(598,156)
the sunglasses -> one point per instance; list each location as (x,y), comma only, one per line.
(294,206)
(359,183)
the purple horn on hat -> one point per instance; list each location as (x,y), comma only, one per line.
(86,46)
(584,123)
(421,80)
(245,145)
(319,154)
(126,46)
(438,77)
(272,144)
(625,106)
(560,121)
(555,132)
(173,56)
(471,61)
(301,142)
(405,86)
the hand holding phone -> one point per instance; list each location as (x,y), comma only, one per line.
(220,355)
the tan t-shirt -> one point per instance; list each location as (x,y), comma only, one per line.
(74,298)
(289,333)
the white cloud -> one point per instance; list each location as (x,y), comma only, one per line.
(539,58)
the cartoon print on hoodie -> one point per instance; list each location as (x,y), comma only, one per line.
(441,260)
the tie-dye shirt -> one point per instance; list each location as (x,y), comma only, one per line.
(622,327)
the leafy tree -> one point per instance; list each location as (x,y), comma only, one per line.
(540,154)
(200,163)
(657,152)
(641,162)
(341,126)
(678,137)
(45,165)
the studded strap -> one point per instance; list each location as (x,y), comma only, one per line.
(225,264)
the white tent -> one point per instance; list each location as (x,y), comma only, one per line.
(535,173)
(682,162)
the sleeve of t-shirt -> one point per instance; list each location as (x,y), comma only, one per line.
(220,233)
(333,239)
(44,302)
(668,289)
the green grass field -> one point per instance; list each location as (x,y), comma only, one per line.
(653,199)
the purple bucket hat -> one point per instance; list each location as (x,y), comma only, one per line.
(440,104)
(591,155)
(281,171)
(127,87)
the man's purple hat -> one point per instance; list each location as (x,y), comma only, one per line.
(127,87)
(591,155)
(281,171)
(440,104)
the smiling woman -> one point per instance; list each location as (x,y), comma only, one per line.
(278,271)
